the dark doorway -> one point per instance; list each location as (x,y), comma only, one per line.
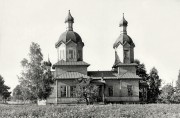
(100,96)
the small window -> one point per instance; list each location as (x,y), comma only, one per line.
(126,56)
(63,91)
(70,54)
(72,91)
(110,89)
(130,91)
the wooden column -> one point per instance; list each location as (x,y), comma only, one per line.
(56,92)
(103,94)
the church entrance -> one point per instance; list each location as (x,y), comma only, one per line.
(100,93)
(101,85)
(99,99)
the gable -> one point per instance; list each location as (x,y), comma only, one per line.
(71,43)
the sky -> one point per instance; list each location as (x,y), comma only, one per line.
(153,25)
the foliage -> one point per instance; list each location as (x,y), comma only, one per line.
(85,90)
(91,111)
(154,86)
(178,81)
(36,77)
(176,96)
(166,94)
(4,93)
(170,94)
(141,70)
(17,93)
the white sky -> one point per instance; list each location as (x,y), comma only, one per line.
(154,26)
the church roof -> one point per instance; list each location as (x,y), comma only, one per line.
(117,60)
(72,63)
(67,36)
(101,73)
(71,75)
(122,39)
(127,64)
(128,75)
(112,75)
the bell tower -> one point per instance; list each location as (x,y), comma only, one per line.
(124,50)
(124,45)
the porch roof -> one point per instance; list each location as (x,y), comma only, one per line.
(129,75)
(71,75)
(102,73)
(112,75)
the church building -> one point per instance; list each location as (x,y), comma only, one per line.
(120,84)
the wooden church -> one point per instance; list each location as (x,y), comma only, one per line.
(121,84)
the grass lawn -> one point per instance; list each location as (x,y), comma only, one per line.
(91,111)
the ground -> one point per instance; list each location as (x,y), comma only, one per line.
(91,111)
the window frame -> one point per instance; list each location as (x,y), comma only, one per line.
(72,91)
(130,90)
(71,54)
(63,92)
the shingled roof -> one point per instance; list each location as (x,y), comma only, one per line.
(128,75)
(101,74)
(63,63)
(71,75)
(112,75)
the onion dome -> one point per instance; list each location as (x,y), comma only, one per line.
(122,39)
(69,18)
(69,36)
(123,22)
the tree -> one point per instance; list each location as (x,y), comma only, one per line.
(46,82)
(143,84)
(85,90)
(176,96)
(166,94)
(154,85)
(178,81)
(17,93)
(36,77)
(4,93)
(141,70)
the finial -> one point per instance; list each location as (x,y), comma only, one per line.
(69,17)
(123,22)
